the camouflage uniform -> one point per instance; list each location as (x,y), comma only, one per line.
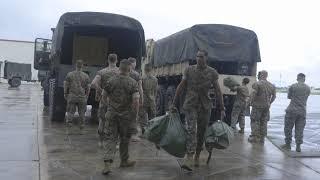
(105,75)
(148,111)
(120,91)
(77,84)
(136,76)
(260,115)
(239,107)
(197,104)
(296,112)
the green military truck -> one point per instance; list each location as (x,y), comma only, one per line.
(16,72)
(89,36)
(232,51)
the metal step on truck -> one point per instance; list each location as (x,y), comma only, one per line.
(89,36)
(232,51)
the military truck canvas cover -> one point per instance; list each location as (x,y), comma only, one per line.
(13,69)
(222,42)
(99,20)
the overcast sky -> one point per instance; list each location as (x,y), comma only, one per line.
(288,30)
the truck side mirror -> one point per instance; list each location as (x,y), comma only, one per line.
(42,48)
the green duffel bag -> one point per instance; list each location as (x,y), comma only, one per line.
(156,128)
(174,139)
(219,135)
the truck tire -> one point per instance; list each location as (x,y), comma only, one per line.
(45,98)
(15,82)
(57,107)
(171,90)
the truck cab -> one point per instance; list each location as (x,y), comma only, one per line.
(89,36)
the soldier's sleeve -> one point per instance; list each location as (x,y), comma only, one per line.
(290,92)
(135,90)
(66,83)
(254,92)
(274,94)
(215,75)
(185,74)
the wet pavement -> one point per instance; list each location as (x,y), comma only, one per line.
(33,148)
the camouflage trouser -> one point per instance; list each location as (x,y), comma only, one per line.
(238,115)
(102,119)
(72,105)
(294,119)
(259,120)
(145,114)
(118,128)
(196,123)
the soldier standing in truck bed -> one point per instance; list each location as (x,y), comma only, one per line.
(197,80)
(123,94)
(76,92)
(99,83)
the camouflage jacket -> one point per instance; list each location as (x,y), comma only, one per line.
(120,90)
(199,82)
(263,91)
(149,86)
(298,93)
(76,85)
(242,96)
(105,75)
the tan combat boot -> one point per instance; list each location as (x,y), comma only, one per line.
(127,163)
(187,164)
(298,147)
(241,131)
(107,167)
(286,146)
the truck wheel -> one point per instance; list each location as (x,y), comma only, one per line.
(56,103)
(45,98)
(169,97)
(15,82)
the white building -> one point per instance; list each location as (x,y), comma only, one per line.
(17,51)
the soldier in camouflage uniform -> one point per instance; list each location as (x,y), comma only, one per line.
(149,86)
(123,94)
(197,81)
(76,92)
(298,93)
(240,104)
(99,83)
(136,76)
(263,95)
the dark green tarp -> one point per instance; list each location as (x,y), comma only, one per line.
(223,43)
